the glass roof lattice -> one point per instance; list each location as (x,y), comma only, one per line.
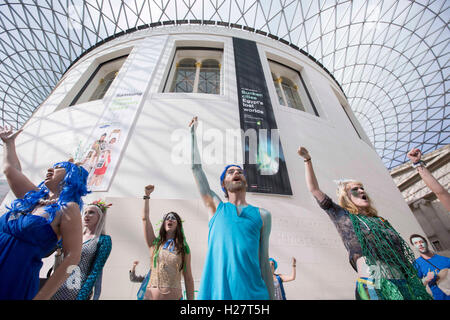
(391,58)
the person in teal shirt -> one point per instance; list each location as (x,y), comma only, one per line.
(237,260)
(429,265)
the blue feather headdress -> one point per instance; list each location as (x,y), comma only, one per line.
(73,188)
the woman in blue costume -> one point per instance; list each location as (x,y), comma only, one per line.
(237,260)
(94,253)
(35,221)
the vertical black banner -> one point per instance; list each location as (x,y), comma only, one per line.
(264,161)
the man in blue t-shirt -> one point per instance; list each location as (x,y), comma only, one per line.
(237,259)
(429,265)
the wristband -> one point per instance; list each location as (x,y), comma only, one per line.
(419,163)
(307,160)
(146,197)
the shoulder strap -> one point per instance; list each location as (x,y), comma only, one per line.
(431,263)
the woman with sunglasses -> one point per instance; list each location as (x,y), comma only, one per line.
(379,255)
(170,256)
(35,221)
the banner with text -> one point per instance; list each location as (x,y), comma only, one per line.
(264,161)
(101,153)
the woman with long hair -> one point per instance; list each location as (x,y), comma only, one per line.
(379,255)
(170,256)
(35,221)
(94,253)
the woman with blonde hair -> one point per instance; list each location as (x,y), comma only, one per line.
(95,251)
(377,252)
(345,201)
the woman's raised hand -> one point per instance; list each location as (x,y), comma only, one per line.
(302,152)
(149,189)
(7,135)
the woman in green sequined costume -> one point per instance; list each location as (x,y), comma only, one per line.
(379,255)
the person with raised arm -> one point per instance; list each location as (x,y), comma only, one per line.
(143,280)
(237,259)
(279,279)
(379,255)
(431,182)
(132,273)
(170,256)
(35,221)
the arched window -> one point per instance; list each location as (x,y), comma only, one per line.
(184,78)
(100,81)
(104,85)
(291,94)
(287,93)
(278,89)
(195,70)
(209,77)
(291,89)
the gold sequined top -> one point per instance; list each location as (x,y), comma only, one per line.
(167,273)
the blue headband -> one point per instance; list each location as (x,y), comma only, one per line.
(275,264)
(224,172)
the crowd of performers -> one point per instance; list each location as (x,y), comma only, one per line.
(52,218)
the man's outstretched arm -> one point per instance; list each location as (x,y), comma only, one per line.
(441,193)
(209,197)
(264,251)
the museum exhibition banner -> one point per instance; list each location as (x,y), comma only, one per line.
(264,162)
(103,150)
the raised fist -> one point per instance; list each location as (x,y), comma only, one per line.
(149,189)
(302,152)
(414,155)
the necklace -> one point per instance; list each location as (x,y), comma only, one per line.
(363,222)
(47,202)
